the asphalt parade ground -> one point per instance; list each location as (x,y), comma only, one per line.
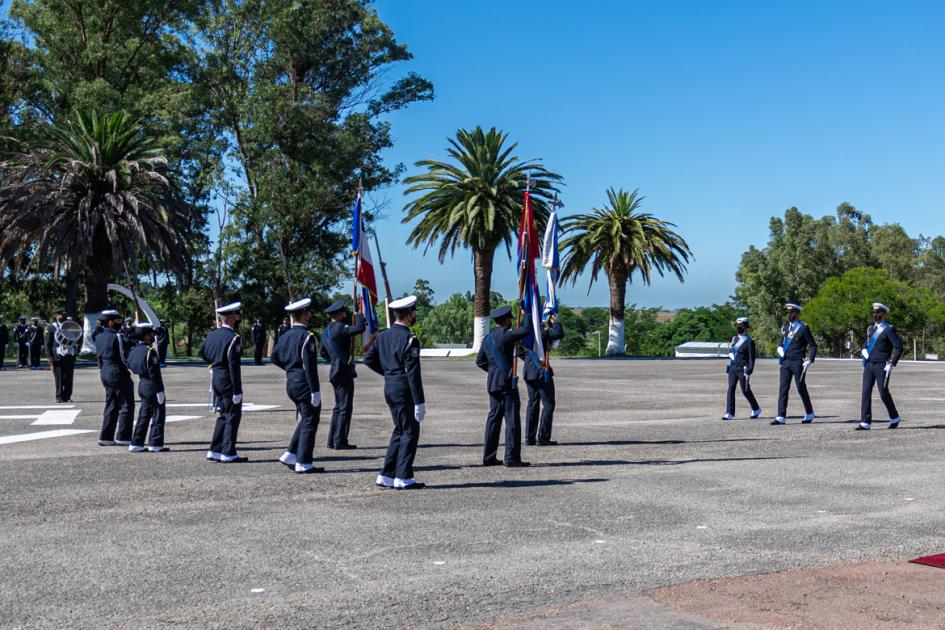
(651,512)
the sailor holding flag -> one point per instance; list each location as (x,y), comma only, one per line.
(741,363)
(880,356)
(794,359)
(539,377)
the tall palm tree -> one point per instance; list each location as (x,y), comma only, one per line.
(92,200)
(475,202)
(620,240)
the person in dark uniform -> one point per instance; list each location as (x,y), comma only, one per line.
(495,357)
(99,327)
(61,358)
(222,350)
(283,327)
(795,354)
(741,363)
(118,416)
(22,343)
(297,354)
(259,341)
(128,333)
(161,340)
(881,354)
(336,349)
(540,383)
(144,360)
(34,339)
(396,354)
(4,340)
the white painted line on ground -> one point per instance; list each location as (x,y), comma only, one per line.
(58,416)
(182,418)
(2,407)
(246,406)
(42,435)
(701,527)
(29,417)
(257,590)
(438,563)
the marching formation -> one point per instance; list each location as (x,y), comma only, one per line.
(797,352)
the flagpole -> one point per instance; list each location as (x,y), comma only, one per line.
(555,204)
(521,279)
(389,297)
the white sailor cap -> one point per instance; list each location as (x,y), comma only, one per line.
(880,307)
(791,305)
(404,303)
(742,320)
(230,309)
(299,305)
(110,314)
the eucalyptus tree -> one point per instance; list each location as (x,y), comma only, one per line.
(94,198)
(620,240)
(474,202)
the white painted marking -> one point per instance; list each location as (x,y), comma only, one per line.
(821,511)
(58,416)
(246,406)
(438,563)
(29,417)
(36,406)
(599,542)
(257,590)
(701,527)
(42,435)
(182,418)
(910,499)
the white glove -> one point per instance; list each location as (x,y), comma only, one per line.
(806,363)
(161,397)
(237,399)
(316,399)
(888,369)
(419,412)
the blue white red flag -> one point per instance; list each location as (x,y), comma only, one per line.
(551,262)
(364,271)
(528,250)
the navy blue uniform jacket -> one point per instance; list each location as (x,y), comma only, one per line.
(143,361)
(802,340)
(336,347)
(111,352)
(501,341)
(222,350)
(396,355)
(297,354)
(888,348)
(534,371)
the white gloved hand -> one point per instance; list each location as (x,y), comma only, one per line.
(161,397)
(419,412)
(888,369)
(806,363)
(237,399)
(316,399)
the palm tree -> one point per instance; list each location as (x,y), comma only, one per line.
(92,200)
(475,202)
(619,240)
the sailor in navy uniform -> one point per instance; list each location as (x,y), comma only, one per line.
(34,339)
(283,327)
(495,357)
(61,358)
(880,356)
(258,333)
(297,354)
(396,354)
(222,350)
(145,361)
(21,340)
(795,354)
(540,383)
(336,349)
(118,417)
(741,363)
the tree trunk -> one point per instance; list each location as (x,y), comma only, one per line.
(616,336)
(482,267)
(284,255)
(72,292)
(98,270)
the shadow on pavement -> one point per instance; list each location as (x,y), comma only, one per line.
(523,483)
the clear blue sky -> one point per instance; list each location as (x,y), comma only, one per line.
(723,114)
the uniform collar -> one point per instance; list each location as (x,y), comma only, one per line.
(226,326)
(401,324)
(299,326)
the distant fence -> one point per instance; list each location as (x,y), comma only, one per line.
(702,350)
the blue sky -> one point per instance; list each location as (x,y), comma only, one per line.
(723,114)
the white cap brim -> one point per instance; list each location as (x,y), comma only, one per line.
(229,308)
(299,305)
(404,303)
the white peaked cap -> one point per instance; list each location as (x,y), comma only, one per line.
(404,303)
(741,320)
(299,305)
(791,305)
(877,306)
(110,313)
(229,308)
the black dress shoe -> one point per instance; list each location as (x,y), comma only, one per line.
(517,463)
(860,427)
(547,443)
(310,471)
(530,442)
(414,486)
(345,447)
(491,462)
(237,460)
